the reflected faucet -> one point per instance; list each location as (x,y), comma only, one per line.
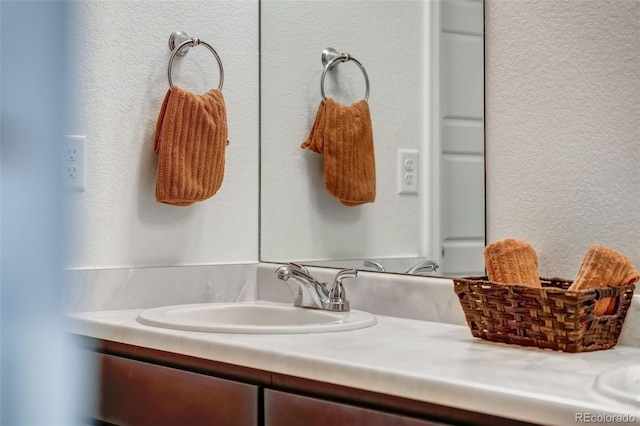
(311,293)
(424,268)
(373,264)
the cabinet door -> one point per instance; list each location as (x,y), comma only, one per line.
(138,393)
(286,409)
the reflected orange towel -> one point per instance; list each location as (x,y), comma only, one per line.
(190,140)
(343,134)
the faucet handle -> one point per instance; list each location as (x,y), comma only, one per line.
(424,267)
(345,273)
(337,295)
(373,264)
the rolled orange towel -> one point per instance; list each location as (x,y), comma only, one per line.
(512,261)
(190,140)
(603,267)
(632,277)
(344,135)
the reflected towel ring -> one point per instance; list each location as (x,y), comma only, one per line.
(183,47)
(330,57)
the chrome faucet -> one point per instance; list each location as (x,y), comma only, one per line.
(311,293)
(424,268)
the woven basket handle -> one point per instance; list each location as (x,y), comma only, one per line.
(604,292)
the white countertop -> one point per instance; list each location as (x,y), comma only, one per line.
(425,361)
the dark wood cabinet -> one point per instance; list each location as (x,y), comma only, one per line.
(139,386)
(287,409)
(140,393)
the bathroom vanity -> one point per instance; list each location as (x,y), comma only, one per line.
(417,365)
(399,371)
(172,389)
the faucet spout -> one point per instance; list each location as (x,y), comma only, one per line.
(308,291)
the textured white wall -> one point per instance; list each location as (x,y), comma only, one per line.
(563,127)
(120,54)
(300,219)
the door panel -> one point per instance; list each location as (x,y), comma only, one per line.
(461,121)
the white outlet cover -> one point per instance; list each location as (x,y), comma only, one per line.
(74,156)
(408,171)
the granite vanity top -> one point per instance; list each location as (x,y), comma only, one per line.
(425,361)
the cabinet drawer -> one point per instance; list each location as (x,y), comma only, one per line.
(286,409)
(138,393)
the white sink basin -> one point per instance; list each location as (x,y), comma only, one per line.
(252,318)
(621,384)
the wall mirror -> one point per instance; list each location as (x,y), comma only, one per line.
(424,61)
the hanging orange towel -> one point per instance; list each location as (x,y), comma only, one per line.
(343,134)
(191,138)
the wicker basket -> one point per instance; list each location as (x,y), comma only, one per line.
(550,317)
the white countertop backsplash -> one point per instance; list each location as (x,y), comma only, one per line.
(111,289)
(420,348)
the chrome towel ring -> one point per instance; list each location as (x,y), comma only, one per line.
(330,56)
(179,44)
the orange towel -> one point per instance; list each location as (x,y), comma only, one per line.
(512,261)
(191,138)
(603,267)
(343,134)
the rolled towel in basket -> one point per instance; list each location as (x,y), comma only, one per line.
(603,267)
(343,134)
(512,261)
(190,140)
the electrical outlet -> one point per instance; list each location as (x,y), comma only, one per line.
(72,172)
(75,162)
(72,153)
(408,182)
